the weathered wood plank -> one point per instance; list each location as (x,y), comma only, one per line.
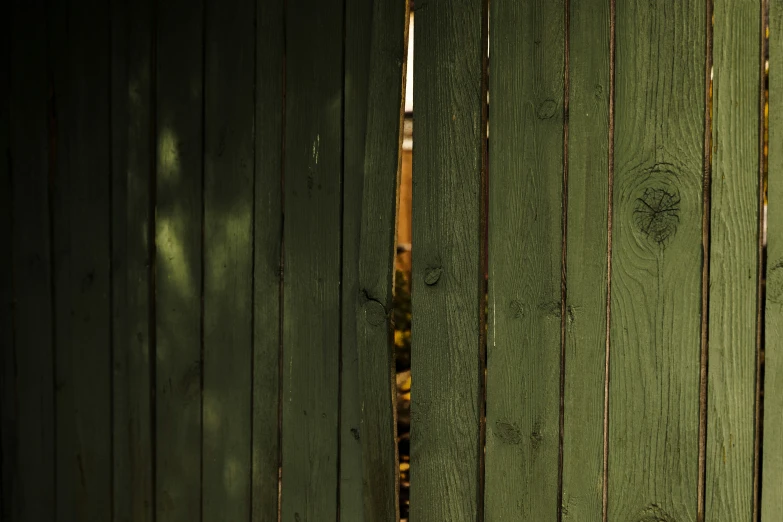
(376,258)
(525,249)
(772,450)
(7,385)
(446,272)
(358,33)
(33,461)
(733,260)
(311,309)
(132,148)
(178,261)
(267,268)
(586,248)
(656,259)
(82,220)
(228,257)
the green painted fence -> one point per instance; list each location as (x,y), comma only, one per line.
(198,203)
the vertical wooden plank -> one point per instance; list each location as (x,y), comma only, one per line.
(733,260)
(82,262)
(33,362)
(58,45)
(178,261)
(132,140)
(358,33)
(525,249)
(311,309)
(7,384)
(588,168)
(656,259)
(376,259)
(267,267)
(772,463)
(228,257)
(446,272)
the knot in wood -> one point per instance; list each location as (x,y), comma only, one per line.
(508,432)
(374,313)
(517,309)
(432,275)
(546,109)
(655,513)
(657,213)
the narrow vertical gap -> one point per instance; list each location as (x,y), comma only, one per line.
(112,345)
(609,217)
(5,156)
(705,270)
(342,250)
(401,291)
(8,353)
(152,334)
(281,286)
(52,167)
(14,457)
(253,266)
(483,252)
(762,261)
(392,297)
(564,255)
(203,226)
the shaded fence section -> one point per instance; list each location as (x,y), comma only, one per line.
(171,345)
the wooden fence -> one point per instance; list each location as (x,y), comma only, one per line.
(198,200)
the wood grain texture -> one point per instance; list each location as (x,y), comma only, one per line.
(82,260)
(446,272)
(228,257)
(358,34)
(267,267)
(376,259)
(588,176)
(132,145)
(733,261)
(178,262)
(772,450)
(7,385)
(312,234)
(656,260)
(525,248)
(33,458)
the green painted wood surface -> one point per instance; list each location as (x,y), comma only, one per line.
(588,176)
(358,33)
(772,450)
(734,254)
(656,259)
(267,267)
(82,220)
(132,149)
(228,258)
(446,272)
(312,232)
(7,385)
(34,472)
(178,261)
(381,166)
(525,249)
